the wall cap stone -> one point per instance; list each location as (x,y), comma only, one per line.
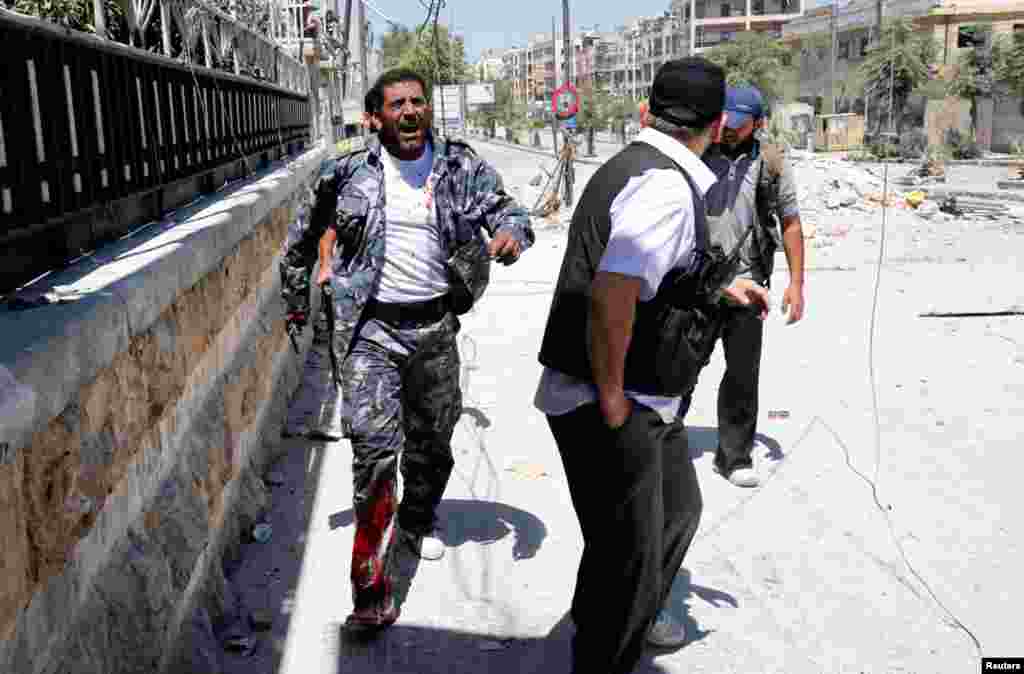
(82,316)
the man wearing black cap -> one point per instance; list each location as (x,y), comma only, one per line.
(755,192)
(618,354)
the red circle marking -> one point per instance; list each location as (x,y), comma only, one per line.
(574,105)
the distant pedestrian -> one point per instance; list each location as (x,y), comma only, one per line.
(620,347)
(756,191)
(404,255)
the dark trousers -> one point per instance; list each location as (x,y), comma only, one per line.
(400,386)
(742,335)
(638,502)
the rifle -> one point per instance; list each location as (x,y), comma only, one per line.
(328,293)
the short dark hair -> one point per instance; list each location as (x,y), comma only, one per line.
(389,77)
(372,102)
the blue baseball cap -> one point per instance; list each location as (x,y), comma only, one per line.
(742,104)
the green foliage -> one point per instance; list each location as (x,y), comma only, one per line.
(900,60)
(596,109)
(976,73)
(756,59)
(776,132)
(394,44)
(1009,64)
(75,14)
(443,62)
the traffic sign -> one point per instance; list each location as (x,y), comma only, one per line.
(565,102)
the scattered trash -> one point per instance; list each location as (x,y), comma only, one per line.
(261,533)
(778,414)
(949,206)
(530,471)
(928,209)
(915,199)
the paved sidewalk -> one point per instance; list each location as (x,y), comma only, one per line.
(799,576)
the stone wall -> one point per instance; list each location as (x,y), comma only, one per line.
(141,394)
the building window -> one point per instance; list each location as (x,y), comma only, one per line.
(844,49)
(726,9)
(757,6)
(864,42)
(701,9)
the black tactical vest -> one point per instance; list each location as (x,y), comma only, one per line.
(672,332)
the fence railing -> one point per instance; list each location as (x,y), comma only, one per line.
(85,122)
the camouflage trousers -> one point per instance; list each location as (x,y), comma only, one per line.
(401,403)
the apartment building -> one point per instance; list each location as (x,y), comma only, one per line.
(624,62)
(711,22)
(955,24)
(490,66)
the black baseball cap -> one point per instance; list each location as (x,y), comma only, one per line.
(688,91)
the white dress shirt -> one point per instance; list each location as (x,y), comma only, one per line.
(652,232)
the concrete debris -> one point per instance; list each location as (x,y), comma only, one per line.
(529,471)
(928,209)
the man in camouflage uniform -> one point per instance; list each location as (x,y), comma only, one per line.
(411,256)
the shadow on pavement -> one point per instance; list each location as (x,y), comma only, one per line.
(416,649)
(680,597)
(705,439)
(265,577)
(424,649)
(463,521)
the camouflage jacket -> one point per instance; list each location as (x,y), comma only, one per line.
(468,196)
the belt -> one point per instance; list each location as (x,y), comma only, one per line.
(428,311)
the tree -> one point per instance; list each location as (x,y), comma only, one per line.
(976,76)
(440,63)
(756,59)
(394,44)
(1009,63)
(596,109)
(898,63)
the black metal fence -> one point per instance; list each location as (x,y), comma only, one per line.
(85,122)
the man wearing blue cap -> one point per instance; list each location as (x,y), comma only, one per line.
(756,191)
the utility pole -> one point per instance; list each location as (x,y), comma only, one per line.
(346,45)
(892,79)
(567,42)
(362,56)
(568,58)
(693,27)
(832,64)
(554,118)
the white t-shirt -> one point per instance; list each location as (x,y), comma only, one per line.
(414,266)
(652,232)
